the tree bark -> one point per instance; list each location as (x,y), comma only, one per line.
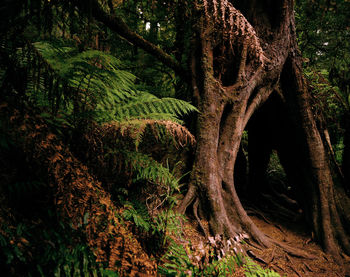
(320,192)
(229,95)
(228,99)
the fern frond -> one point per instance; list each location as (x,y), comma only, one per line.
(138,213)
(115,94)
(176,262)
(146,168)
(151,107)
(91,84)
(90,70)
(159,128)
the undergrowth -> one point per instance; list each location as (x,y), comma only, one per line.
(106,205)
(43,248)
(177,262)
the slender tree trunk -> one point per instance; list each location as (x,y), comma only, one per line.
(346,154)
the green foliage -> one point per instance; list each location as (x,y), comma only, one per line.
(329,105)
(94,74)
(148,106)
(70,85)
(323,33)
(324,38)
(154,20)
(252,269)
(177,263)
(78,86)
(275,172)
(146,168)
(99,80)
(47,251)
(160,221)
(138,214)
(110,92)
(164,224)
(77,262)
(167,223)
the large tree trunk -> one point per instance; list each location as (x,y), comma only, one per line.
(238,76)
(244,50)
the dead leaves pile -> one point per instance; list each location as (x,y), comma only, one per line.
(80,198)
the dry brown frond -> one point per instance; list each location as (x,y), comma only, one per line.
(233,26)
(135,128)
(79,195)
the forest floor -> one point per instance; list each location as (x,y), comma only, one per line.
(294,234)
(291,232)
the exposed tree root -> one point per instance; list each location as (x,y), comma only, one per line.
(292,251)
(195,212)
(296,272)
(307,260)
(189,198)
(307,266)
(251,211)
(256,258)
(254,243)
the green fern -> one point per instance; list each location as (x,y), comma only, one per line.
(148,106)
(146,168)
(89,70)
(137,212)
(176,262)
(168,222)
(90,85)
(252,269)
(111,89)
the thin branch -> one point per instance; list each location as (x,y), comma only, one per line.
(241,71)
(327,139)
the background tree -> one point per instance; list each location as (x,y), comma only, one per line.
(324,40)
